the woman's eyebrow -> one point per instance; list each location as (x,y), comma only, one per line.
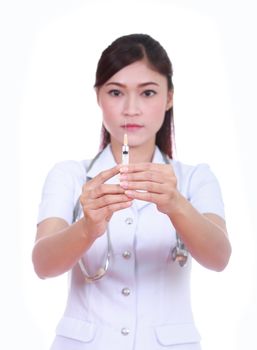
(140,85)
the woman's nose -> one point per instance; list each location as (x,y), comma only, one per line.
(131,106)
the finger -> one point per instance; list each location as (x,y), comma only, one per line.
(119,206)
(88,196)
(106,201)
(134,167)
(105,189)
(149,175)
(141,167)
(105,175)
(144,196)
(106,212)
(144,186)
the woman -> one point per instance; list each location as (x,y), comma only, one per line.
(125,246)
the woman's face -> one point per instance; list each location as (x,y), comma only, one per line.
(134,101)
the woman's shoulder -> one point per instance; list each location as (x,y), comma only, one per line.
(188,170)
(200,186)
(69,169)
(71,165)
(193,177)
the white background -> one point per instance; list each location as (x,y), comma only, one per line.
(49,51)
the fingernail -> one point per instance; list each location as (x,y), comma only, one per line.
(124,184)
(129,193)
(123,169)
(123,177)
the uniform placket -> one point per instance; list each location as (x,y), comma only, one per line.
(127,292)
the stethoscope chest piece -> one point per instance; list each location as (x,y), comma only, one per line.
(180,253)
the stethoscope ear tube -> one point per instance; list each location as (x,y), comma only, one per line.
(102,270)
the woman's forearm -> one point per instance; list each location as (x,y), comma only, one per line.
(203,234)
(58,252)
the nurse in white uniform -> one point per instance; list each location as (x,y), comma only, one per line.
(128,223)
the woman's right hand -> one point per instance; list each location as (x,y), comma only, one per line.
(100,200)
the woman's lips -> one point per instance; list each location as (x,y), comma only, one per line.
(132,127)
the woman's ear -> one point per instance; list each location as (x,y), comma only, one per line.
(169,100)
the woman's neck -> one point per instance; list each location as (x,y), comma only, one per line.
(137,154)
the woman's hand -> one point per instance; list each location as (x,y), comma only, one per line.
(99,201)
(203,234)
(157,181)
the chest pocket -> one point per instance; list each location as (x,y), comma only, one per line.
(72,328)
(177,334)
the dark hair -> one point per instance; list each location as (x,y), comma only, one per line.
(125,51)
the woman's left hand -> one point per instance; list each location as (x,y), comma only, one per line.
(151,182)
(203,234)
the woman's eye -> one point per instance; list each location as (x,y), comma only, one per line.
(114,92)
(149,93)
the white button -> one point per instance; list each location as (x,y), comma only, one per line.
(126,254)
(129,221)
(125,291)
(125,331)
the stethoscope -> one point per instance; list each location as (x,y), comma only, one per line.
(179,253)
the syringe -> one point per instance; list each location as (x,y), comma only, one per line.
(125,150)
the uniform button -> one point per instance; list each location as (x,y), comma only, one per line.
(125,331)
(125,291)
(129,221)
(126,254)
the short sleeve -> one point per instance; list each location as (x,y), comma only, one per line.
(60,191)
(204,191)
